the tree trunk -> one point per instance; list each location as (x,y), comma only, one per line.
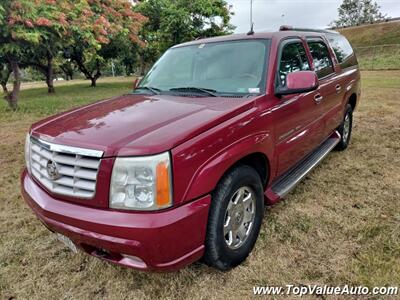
(5,75)
(142,68)
(96,76)
(69,73)
(88,74)
(5,89)
(12,97)
(68,77)
(50,75)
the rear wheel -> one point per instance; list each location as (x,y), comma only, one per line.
(235,218)
(345,129)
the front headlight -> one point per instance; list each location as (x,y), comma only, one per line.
(141,183)
(28,152)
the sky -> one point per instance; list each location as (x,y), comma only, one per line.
(270,14)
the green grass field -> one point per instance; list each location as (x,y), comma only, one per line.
(377,45)
(373,34)
(341,225)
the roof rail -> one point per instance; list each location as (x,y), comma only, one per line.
(291,28)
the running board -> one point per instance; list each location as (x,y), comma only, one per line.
(291,178)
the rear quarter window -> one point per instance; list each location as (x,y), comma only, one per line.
(343,50)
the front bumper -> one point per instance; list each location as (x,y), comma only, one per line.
(156,241)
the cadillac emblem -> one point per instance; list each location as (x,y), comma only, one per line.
(52,170)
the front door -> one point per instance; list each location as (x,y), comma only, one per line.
(298,125)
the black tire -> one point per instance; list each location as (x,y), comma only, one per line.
(217,252)
(345,138)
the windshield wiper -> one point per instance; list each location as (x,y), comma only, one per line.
(209,92)
(154,90)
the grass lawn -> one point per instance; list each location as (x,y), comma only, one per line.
(373,34)
(341,225)
(380,57)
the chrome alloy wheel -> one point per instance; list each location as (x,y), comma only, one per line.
(239,217)
(346,128)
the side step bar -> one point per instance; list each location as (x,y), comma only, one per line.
(291,178)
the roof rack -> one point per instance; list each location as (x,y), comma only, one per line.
(291,28)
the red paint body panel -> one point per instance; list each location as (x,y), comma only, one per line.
(138,124)
(205,136)
(301,80)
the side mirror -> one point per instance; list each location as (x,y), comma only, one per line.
(136,82)
(299,82)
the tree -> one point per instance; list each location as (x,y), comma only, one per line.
(41,59)
(130,58)
(40,26)
(111,24)
(358,12)
(52,24)
(15,33)
(30,32)
(172,22)
(68,68)
(5,72)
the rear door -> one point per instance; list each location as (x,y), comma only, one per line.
(330,89)
(347,69)
(298,127)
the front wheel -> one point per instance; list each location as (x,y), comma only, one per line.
(235,218)
(345,129)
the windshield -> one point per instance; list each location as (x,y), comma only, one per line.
(225,67)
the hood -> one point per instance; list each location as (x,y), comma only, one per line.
(138,124)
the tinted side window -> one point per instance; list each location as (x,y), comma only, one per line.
(322,61)
(293,59)
(343,50)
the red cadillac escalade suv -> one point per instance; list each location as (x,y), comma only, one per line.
(181,168)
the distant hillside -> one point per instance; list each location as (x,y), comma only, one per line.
(373,34)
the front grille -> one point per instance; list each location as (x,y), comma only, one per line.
(76,167)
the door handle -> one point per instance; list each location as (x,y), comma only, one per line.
(318,98)
(338,88)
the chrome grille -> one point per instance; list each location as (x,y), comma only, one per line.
(77,168)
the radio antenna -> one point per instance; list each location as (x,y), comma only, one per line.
(251,32)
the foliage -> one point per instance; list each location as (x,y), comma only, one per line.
(31,34)
(52,23)
(175,21)
(358,12)
(16,33)
(110,26)
(58,36)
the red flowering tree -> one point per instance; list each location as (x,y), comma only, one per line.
(35,32)
(50,21)
(11,48)
(30,34)
(112,24)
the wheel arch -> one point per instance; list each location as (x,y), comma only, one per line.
(247,152)
(258,161)
(352,100)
